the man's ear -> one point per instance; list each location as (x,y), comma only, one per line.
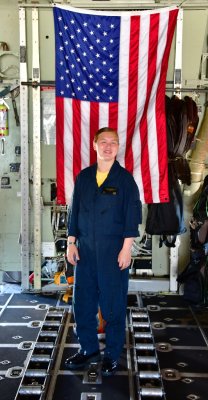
(94,145)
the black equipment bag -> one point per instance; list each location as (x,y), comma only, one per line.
(167,218)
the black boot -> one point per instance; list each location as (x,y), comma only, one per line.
(80,360)
(109,366)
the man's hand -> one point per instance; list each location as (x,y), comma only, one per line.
(124,257)
(72,253)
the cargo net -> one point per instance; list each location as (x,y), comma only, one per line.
(148,379)
(36,377)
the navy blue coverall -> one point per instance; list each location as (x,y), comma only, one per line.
(100,218)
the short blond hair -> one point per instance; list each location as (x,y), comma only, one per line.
(106,129)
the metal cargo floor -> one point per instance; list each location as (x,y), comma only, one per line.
(37,335)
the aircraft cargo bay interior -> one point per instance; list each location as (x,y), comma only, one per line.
(104,199)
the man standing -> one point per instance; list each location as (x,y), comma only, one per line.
(102,225)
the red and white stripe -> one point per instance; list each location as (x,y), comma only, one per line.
(139,116)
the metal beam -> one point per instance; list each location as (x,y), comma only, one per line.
(25,265)
(36,150)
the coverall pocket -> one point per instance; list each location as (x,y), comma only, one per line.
(111,220)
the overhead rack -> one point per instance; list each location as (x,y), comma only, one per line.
(120,4)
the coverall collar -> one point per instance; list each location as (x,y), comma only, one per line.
(115,169)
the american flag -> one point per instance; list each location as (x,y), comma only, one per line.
(111,71)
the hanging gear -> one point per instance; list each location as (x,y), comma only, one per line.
(182,122)
(4,130)
(166,219)
(200,210)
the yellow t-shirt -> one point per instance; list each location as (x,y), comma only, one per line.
(100,177)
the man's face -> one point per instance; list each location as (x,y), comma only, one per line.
(106,146)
